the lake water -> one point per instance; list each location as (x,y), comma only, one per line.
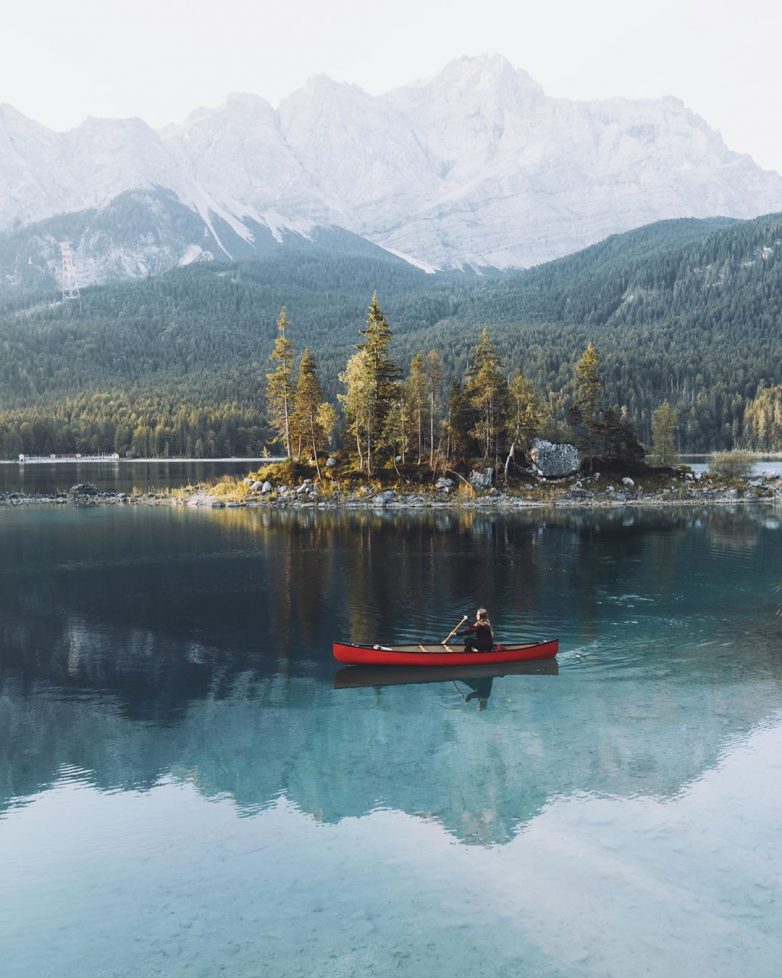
(184,792)
(768,466)
(122,476)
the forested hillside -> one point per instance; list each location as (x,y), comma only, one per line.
(688,311)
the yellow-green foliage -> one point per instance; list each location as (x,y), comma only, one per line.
(287,473)
(731,466)
(229,488)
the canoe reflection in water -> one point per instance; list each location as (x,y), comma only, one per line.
(478,678)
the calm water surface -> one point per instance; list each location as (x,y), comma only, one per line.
(768,466)
(183,792)
(122,476)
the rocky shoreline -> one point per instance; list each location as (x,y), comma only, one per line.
(583,494)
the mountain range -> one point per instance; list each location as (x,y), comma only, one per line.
(474,167)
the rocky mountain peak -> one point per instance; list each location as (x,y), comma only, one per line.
(474,166)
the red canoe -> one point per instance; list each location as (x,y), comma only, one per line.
(431,654)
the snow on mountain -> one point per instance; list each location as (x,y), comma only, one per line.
(475,166)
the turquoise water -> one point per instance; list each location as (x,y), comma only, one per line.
(184,792)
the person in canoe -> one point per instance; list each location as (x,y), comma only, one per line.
(480,637)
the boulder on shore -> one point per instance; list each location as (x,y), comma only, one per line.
(554,461)
(83,491)
(482,480)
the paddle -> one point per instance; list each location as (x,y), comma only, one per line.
(454,631)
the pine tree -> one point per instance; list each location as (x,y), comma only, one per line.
(396,433)
(279,384)
(526,414)
(487,393)
(313,419)
(589,401)
(415,396)
(665,424)
(763,419)
(457,422)
(435,373)
(372,381)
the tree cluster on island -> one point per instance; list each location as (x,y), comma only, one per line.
(488,416)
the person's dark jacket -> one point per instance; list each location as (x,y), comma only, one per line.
(483,640)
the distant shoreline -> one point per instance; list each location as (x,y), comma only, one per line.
(134,461)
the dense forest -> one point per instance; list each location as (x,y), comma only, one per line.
(688,312)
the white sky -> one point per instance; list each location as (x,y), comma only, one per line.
(62,60)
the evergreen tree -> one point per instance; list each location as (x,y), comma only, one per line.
(526,414)
(435,375)
(457,422)
(396,433)
(618,442)
(313,419)
(279,384)
(665,424)
(372,381)
(487,393)
(763,420)
(416,395)
(588,413)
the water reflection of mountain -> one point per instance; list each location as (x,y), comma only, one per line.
(418,749)
(136,650)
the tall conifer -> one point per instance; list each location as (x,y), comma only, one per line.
(313,419)
(279,384)
(589,401)
(487,392)
(372,381)
(665,423)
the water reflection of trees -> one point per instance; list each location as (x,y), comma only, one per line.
(147,644)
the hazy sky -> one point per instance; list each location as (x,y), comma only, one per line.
(61,61)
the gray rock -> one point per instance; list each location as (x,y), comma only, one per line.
(257,486)
(266,487)
(580,494)
(554,461)
(384,498)
(444,483)
(482,480)
(84,489)
(628,483)
(330,463)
